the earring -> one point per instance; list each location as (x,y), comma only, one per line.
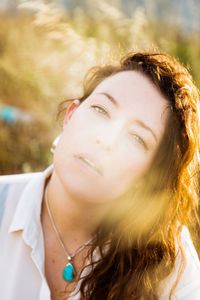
(54,144)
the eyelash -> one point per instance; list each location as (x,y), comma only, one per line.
(102,109)
(139,139)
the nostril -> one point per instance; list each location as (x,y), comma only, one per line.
(107,145)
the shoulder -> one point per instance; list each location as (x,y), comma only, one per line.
(16,178)
(12,187)
(186,272)
(189,249)
(189,284)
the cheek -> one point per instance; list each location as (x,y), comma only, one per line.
(133,160)
(126,164)
(71,138)
(125,172)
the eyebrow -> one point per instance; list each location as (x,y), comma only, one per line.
(111,98)
(139,122)
(143,125)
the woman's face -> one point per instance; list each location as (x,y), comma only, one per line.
(118,129)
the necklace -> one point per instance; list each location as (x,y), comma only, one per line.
(69,270)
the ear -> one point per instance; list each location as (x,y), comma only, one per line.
(69,111)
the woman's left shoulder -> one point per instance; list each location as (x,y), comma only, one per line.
(191,255)
(186,270)
(188,286)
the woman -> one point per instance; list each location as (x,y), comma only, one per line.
(108,219)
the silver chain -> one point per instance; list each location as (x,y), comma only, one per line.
(58,234)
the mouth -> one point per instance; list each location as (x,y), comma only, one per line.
(89,163)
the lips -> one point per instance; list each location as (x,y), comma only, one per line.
(88,160)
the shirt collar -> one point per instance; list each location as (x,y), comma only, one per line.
(27,213)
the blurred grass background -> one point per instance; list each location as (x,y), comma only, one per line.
(45,51)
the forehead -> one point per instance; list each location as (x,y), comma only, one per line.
(130,87)
(136,95)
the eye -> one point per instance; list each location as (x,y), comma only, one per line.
(100,110)
(140,140)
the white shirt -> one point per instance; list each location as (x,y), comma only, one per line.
(22,274)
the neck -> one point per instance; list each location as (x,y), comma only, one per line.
(75,219)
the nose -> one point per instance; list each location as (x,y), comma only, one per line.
(106,146)
(109,136)
(107,141)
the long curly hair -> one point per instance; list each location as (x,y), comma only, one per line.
(135,262)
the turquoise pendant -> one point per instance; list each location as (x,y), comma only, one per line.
(68,272)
